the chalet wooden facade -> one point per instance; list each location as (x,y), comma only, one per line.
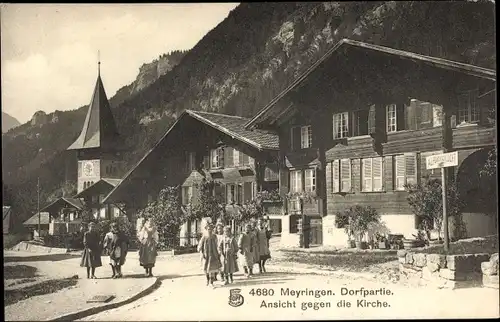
(202,145)
(358,125)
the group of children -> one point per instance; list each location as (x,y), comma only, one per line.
(117,244)
(221,252)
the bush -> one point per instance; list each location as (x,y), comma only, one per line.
(360,218)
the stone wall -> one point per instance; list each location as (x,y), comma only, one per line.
(444,271)
(491,270)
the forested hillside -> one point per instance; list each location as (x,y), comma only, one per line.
(251,56)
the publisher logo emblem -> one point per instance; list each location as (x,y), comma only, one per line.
(235,298)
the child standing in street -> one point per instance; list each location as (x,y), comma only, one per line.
(228,248)
(219,232)
(246,250)
(116,243)
(208,249)
(91,256)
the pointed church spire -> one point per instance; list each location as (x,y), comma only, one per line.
(99,128)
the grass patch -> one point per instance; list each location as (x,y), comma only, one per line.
(18,271)
(46,287)
(488,244)
(353,261)
(22,281)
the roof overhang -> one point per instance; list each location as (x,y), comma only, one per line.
(356,68)
(61,203)
(100,187)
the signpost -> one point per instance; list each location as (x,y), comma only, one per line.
(443,161)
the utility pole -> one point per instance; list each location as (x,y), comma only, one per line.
(38,206)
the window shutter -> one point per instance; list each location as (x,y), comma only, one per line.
(228,157)
(411,115)
(388,173)
(400,172)
(236,157)
(411,168)
(437,111)
(247,191)
(295,138)
(220,154)
(371,120)
(377,169)
(300,186)
(336,176)
(400,117)
(425,115)
(367,174)
(196,195)
(239,194)
(206,161)
(345,173)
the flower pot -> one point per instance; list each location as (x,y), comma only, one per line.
(361,245)
(382,245)
(436,242)
(412,243)
(351,244)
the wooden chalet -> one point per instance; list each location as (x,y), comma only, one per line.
(94,195)
(204,145)
(359,124)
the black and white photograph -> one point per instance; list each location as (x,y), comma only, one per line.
(249,161)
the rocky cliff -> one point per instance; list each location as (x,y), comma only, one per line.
(8,122)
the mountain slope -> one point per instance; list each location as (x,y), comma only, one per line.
(8,122)
(260,48)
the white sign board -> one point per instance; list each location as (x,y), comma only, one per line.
(443,160)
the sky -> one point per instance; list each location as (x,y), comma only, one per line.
(49,53)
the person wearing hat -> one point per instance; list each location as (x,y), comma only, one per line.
(210,257)
(245,246)
(116,242)
(91,256)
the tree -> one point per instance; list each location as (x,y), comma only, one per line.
(210,203)
(167,215)
(254,208)
(426,202)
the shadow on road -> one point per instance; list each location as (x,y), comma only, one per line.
(39,258)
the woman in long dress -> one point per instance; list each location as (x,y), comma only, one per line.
(255,243)
(228,248)
(263,235)
(116,243)
(91,256)
(210,257)
(219,232)
(148,239)
(245,247)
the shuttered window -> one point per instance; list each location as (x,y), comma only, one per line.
(340,125)
(228,157)
(187,194)
(305,137)
(295,138)
(247,191)
(296,181)
(239,194)
(231,194)
(310,180)
(391,118)
(217,157)
(372,174)
(336,176)
(345,175)
(405,170)
(236,157)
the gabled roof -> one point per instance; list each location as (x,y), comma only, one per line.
(105,183)
(99,129)
(234,126)
(346,44)
(228,124)
(77,203)
(33,221)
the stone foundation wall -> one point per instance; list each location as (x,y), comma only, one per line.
(445,271)
(491,271)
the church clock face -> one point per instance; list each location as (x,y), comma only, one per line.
(88,169)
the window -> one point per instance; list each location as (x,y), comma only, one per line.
(371,174)
(187,194)
(295,181)
(310,180)
(217,157)
(340,125)
(360,122)
(234,194)
(405,170)
(236,157)
(341,175)
(305,137)
(421,115)
(392,125)
(468,111)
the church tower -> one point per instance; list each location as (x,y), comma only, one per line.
(99,145)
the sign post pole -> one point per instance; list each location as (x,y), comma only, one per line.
(444,187)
